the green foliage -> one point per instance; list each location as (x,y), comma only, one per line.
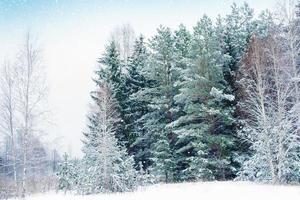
(136,108)
(176,100)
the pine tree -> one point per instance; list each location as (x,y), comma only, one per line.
(159,97)
(183,40)
(202,130)
(190,128)
(109,167)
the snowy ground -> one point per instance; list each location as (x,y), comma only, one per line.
(191,191)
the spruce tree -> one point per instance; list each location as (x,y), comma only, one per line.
(234,31)
(135,108)
(109,167)
(66,174)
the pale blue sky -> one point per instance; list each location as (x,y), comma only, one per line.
(72,34)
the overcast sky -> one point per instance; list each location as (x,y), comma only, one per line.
(72,34)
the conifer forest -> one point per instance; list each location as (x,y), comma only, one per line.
(216,101)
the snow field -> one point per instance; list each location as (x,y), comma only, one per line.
(191,191)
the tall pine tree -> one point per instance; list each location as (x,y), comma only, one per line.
(183,40)
(202,128)
(159,96)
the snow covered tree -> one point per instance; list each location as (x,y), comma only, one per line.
(144,177)
(235,31)
(135,108)
(111,72)
(182,43)
(203,140)
(65,174)
(270,126)
(159,98)
(32,92)
(109,168)
(174,106)
(8,111)
(289,26)
(238,30)
(124,38)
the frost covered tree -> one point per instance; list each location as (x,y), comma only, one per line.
(135,108)
(182,50)
(270,102)
(32,91)
(124,38)
(143,177)
(270,125)
(65,174)
(8,111)
(288,14)
(238,30)
(159,96)
(203,146)
(108,166)
(235,31)
(289,23)
(110,71)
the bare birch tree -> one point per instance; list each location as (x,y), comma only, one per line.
(124,37)
(7,112)
(289,20)
(32,92)
(270,126)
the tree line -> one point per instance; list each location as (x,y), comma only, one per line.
(219,102)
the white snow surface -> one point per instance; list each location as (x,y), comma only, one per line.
(190,191)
